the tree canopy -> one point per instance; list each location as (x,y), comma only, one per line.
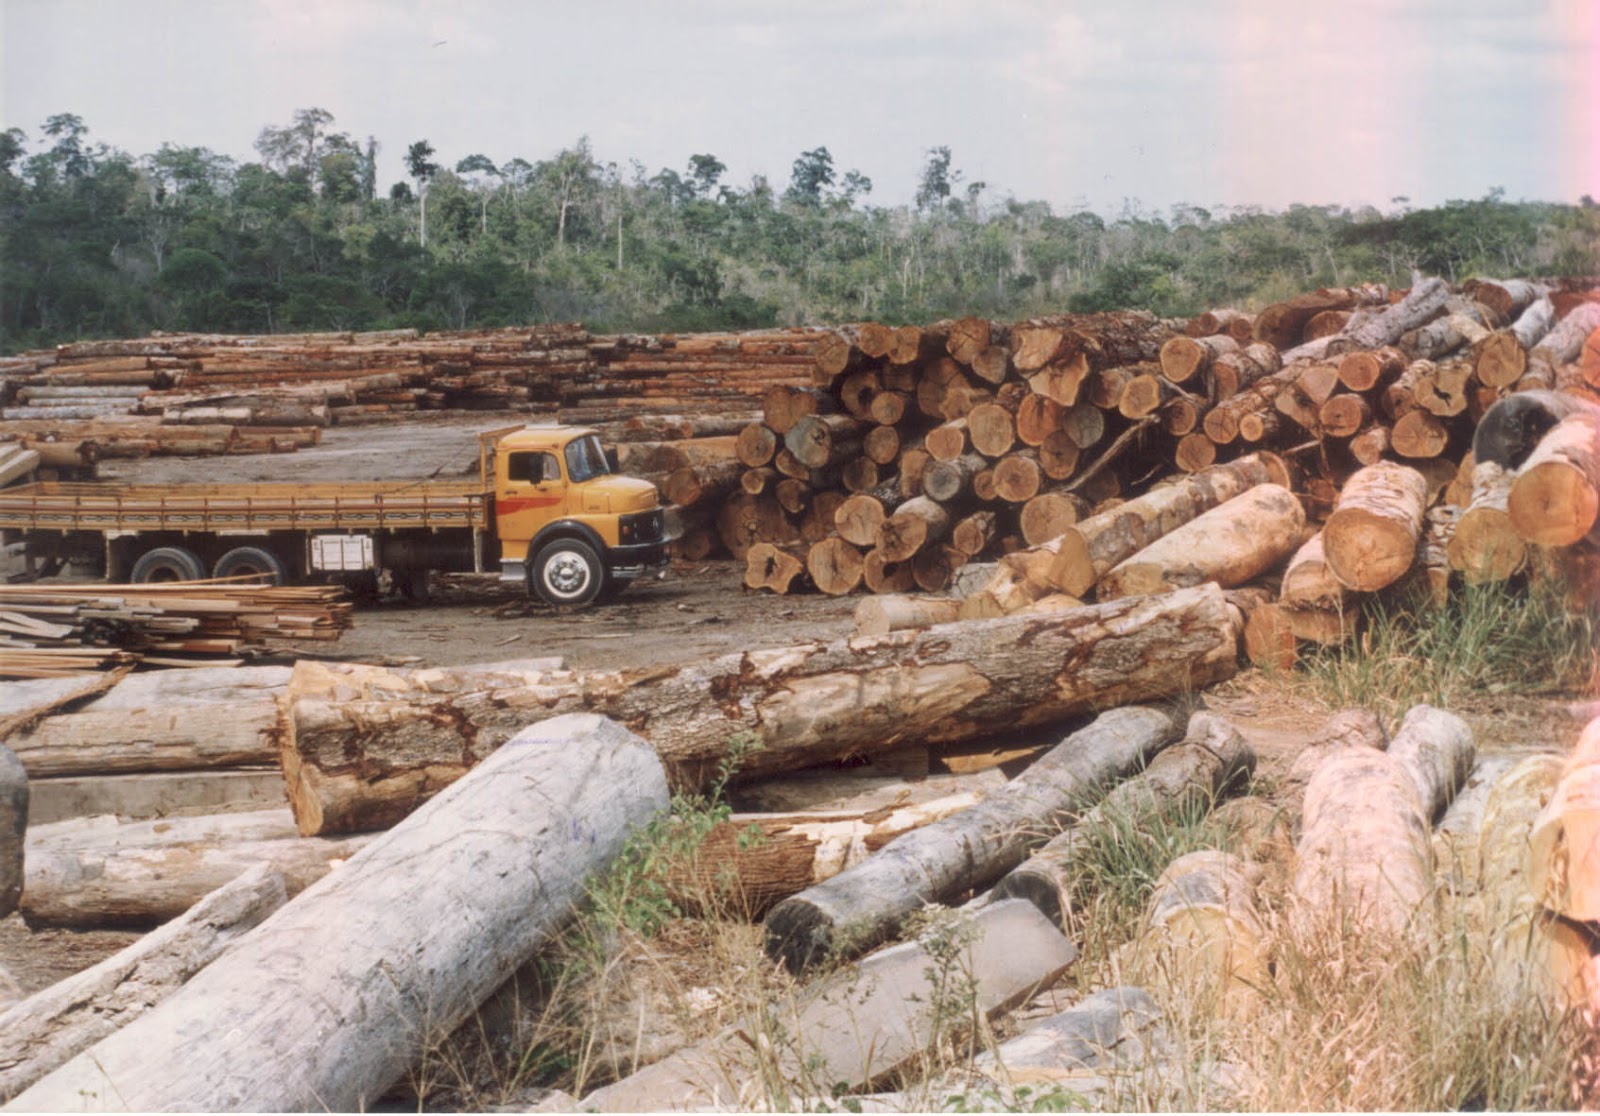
(96,242)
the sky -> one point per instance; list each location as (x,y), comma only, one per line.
(1082,103)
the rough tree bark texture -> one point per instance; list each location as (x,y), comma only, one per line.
(71,1015)
(1564,844)
(858,1025)
(328,1002)
(1211,759)
(1094,545)
(1201,925)
(1555,498)
(864,905)
(1230,544)
(360,755)
(1485,546)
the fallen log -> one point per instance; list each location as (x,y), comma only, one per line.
(864,905)
(1371,538)
(359,757)
(1564,842)
(380,967)
(860,1024)
(1365,854)
(1230,544)
(1093,546)
(177,736)
(1117,1033)
(1437,751)
(13,829)
(880,615)
(1202,927)
(1485,546)
(1211,760)
(100,872)
(53,1025)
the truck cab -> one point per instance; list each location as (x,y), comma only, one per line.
(568,528)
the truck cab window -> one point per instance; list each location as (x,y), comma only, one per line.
(531,468)
(586,458)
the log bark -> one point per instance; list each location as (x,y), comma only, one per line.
(862,1024)
(359,754)
(1556,495)
(1486,547)
(1235,323)
(1231,373)
(914,524)
(863,906)
(1364,855)
(234,1037)
(1202,922)
(1421,304)
(1210,760)
(880,615)
(1222,423)
(1564,842)
(1282,324)
(1230,544)
(1436,750)
(1564,343)
(1371,538)
(100,872)
(834,566)
(53,1025)
(702,483)
(14,796)
(1506,297)
(170,737)
(1308,580)
(1098,543)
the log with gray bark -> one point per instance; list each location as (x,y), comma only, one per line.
(327,1003)
(13,826)
(860,1024)
(363,746)
(1563,867)
(54,1024)
(861,907)
(103,872)
(1213,759)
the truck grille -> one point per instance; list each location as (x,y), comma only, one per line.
(642,527)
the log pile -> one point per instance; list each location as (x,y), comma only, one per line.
(198,394)
(52,630)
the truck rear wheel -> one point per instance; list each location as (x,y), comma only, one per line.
(266,566)
(568,572)
(168,563)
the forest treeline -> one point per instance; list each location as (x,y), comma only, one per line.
(96,242)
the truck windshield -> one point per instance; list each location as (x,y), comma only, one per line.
(586,459)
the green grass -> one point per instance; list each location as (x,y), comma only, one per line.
(1485,640)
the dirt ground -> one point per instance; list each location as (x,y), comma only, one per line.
(697,610)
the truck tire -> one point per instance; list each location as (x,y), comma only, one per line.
(267,566)
(568,572)
(168,563)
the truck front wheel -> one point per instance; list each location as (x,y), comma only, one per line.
(568,572)
(167,563)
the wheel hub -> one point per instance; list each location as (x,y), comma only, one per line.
(567,573)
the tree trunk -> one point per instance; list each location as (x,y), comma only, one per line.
(1425,301)
(835,566)
(383,968)
(1201,921)
(1436,749)
(1556,494)
(1230,544)
(880,615)
(14,796)
(1365,370)
(1370,540)
(1231,373)
(1183,358)
(865,905)
(783,405)
(1486,547)
(1369,446)
(100,872)
(1094,545)
(1235,323)
(358,759)
(1364,855)
(1211,759)
(1308,580)
(163,738)
(1283,323)
(53,1025)
(914,525)
(702,483)
(1564,842)
(1506,297)
(1564,343)
(884,1014)
(775,568)
(1222,422)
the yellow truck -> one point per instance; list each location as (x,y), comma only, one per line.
(546,511)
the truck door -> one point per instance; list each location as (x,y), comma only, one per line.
(530,493)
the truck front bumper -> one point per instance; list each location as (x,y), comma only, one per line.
(635,561)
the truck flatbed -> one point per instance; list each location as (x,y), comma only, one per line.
(244,507)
